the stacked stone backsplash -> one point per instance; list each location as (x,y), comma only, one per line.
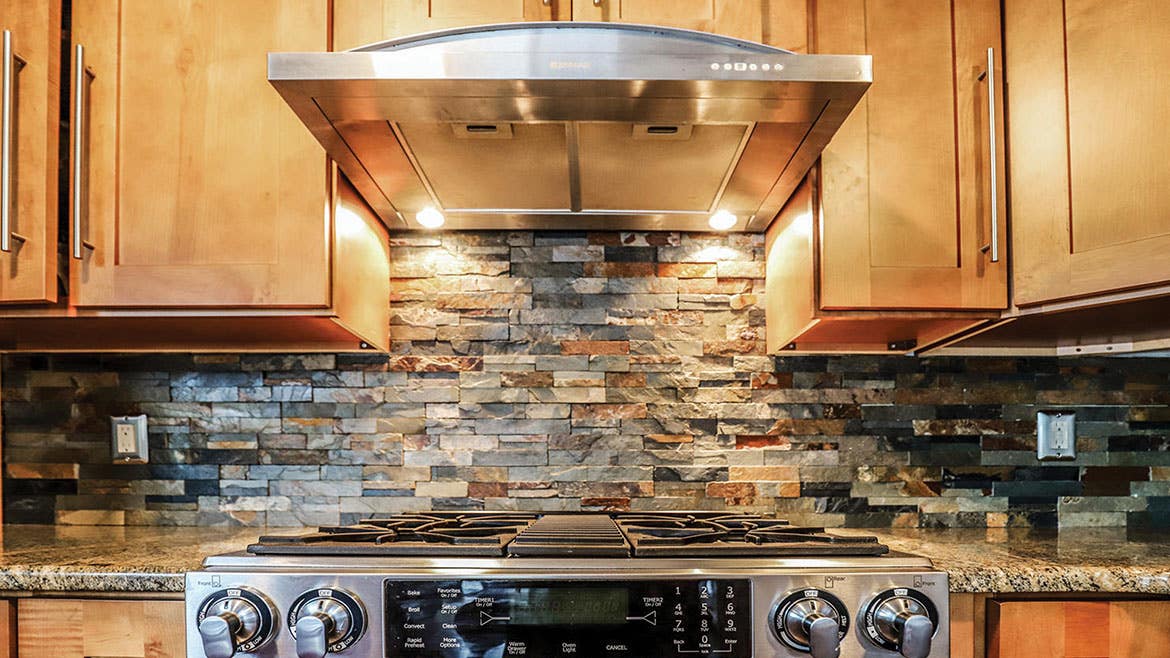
(584,371)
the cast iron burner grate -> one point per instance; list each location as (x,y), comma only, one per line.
(693,534)
(568,534)
(431,533)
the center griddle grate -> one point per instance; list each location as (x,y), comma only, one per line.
(576,535)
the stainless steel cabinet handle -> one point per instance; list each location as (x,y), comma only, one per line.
(8,74)
(991,149)
(79,106)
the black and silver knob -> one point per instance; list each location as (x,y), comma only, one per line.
(902,620)
(812,621)
(325,621)
(232,621)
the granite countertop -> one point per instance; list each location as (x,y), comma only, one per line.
(997,560)
(153,559)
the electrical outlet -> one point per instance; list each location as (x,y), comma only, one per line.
(1056,434)
(128,439)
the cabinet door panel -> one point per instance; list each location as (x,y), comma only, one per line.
(62,628)
(906,185)
(28,271)
(1078,629)
(360,22)
(203,188)
(734,18)
(1090,189)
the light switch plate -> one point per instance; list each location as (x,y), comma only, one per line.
(1056,434)
(128,444)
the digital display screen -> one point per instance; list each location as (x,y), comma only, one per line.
(543,606)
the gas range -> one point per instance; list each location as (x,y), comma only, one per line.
(567,585)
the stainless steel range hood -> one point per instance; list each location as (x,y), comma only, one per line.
(572,125)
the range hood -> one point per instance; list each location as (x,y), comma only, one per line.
(569,126)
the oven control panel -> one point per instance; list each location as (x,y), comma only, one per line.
(567,618)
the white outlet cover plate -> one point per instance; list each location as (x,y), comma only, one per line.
(1056,435)
(128,438)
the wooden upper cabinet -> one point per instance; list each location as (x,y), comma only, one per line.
(1088,104)
(361,22)
(64,628)
(28,268)
(781,23)
(906,184)
(1078,629)
(199,188)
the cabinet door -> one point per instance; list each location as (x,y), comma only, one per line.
(62,628)
(1089,104)
(199,186)
(28,265)
(1080,629)
(360,22)
(780,23)
(906,184)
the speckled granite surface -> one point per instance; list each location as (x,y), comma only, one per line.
(1021,560)
(109,558)
(153,559)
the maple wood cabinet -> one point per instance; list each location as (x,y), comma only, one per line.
(28,258)
(891,244)
(1089,103)
(781,23)
(1084,629)
(1087,106)
(202,213)
(777,22)
(76,628)
(362,22)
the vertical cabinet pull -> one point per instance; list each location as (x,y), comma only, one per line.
(77,205)
(6,120)
(991,149)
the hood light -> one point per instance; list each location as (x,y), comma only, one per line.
(722,220)
(429,217)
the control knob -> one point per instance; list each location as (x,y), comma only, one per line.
(325,621)
(812,621)
(234,620)
(902,620)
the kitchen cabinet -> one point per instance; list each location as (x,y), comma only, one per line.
(1088,103)
(198,187)
(899,240)
(69,628)
(7,629)
(780,23)
(29,108)
(203,216)
(1084,629)
(361,22)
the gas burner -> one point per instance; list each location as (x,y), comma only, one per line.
(693,534)
(463,533)
(523,535)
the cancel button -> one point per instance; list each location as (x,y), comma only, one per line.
(617,648)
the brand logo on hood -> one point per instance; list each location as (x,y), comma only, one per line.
(555,64)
